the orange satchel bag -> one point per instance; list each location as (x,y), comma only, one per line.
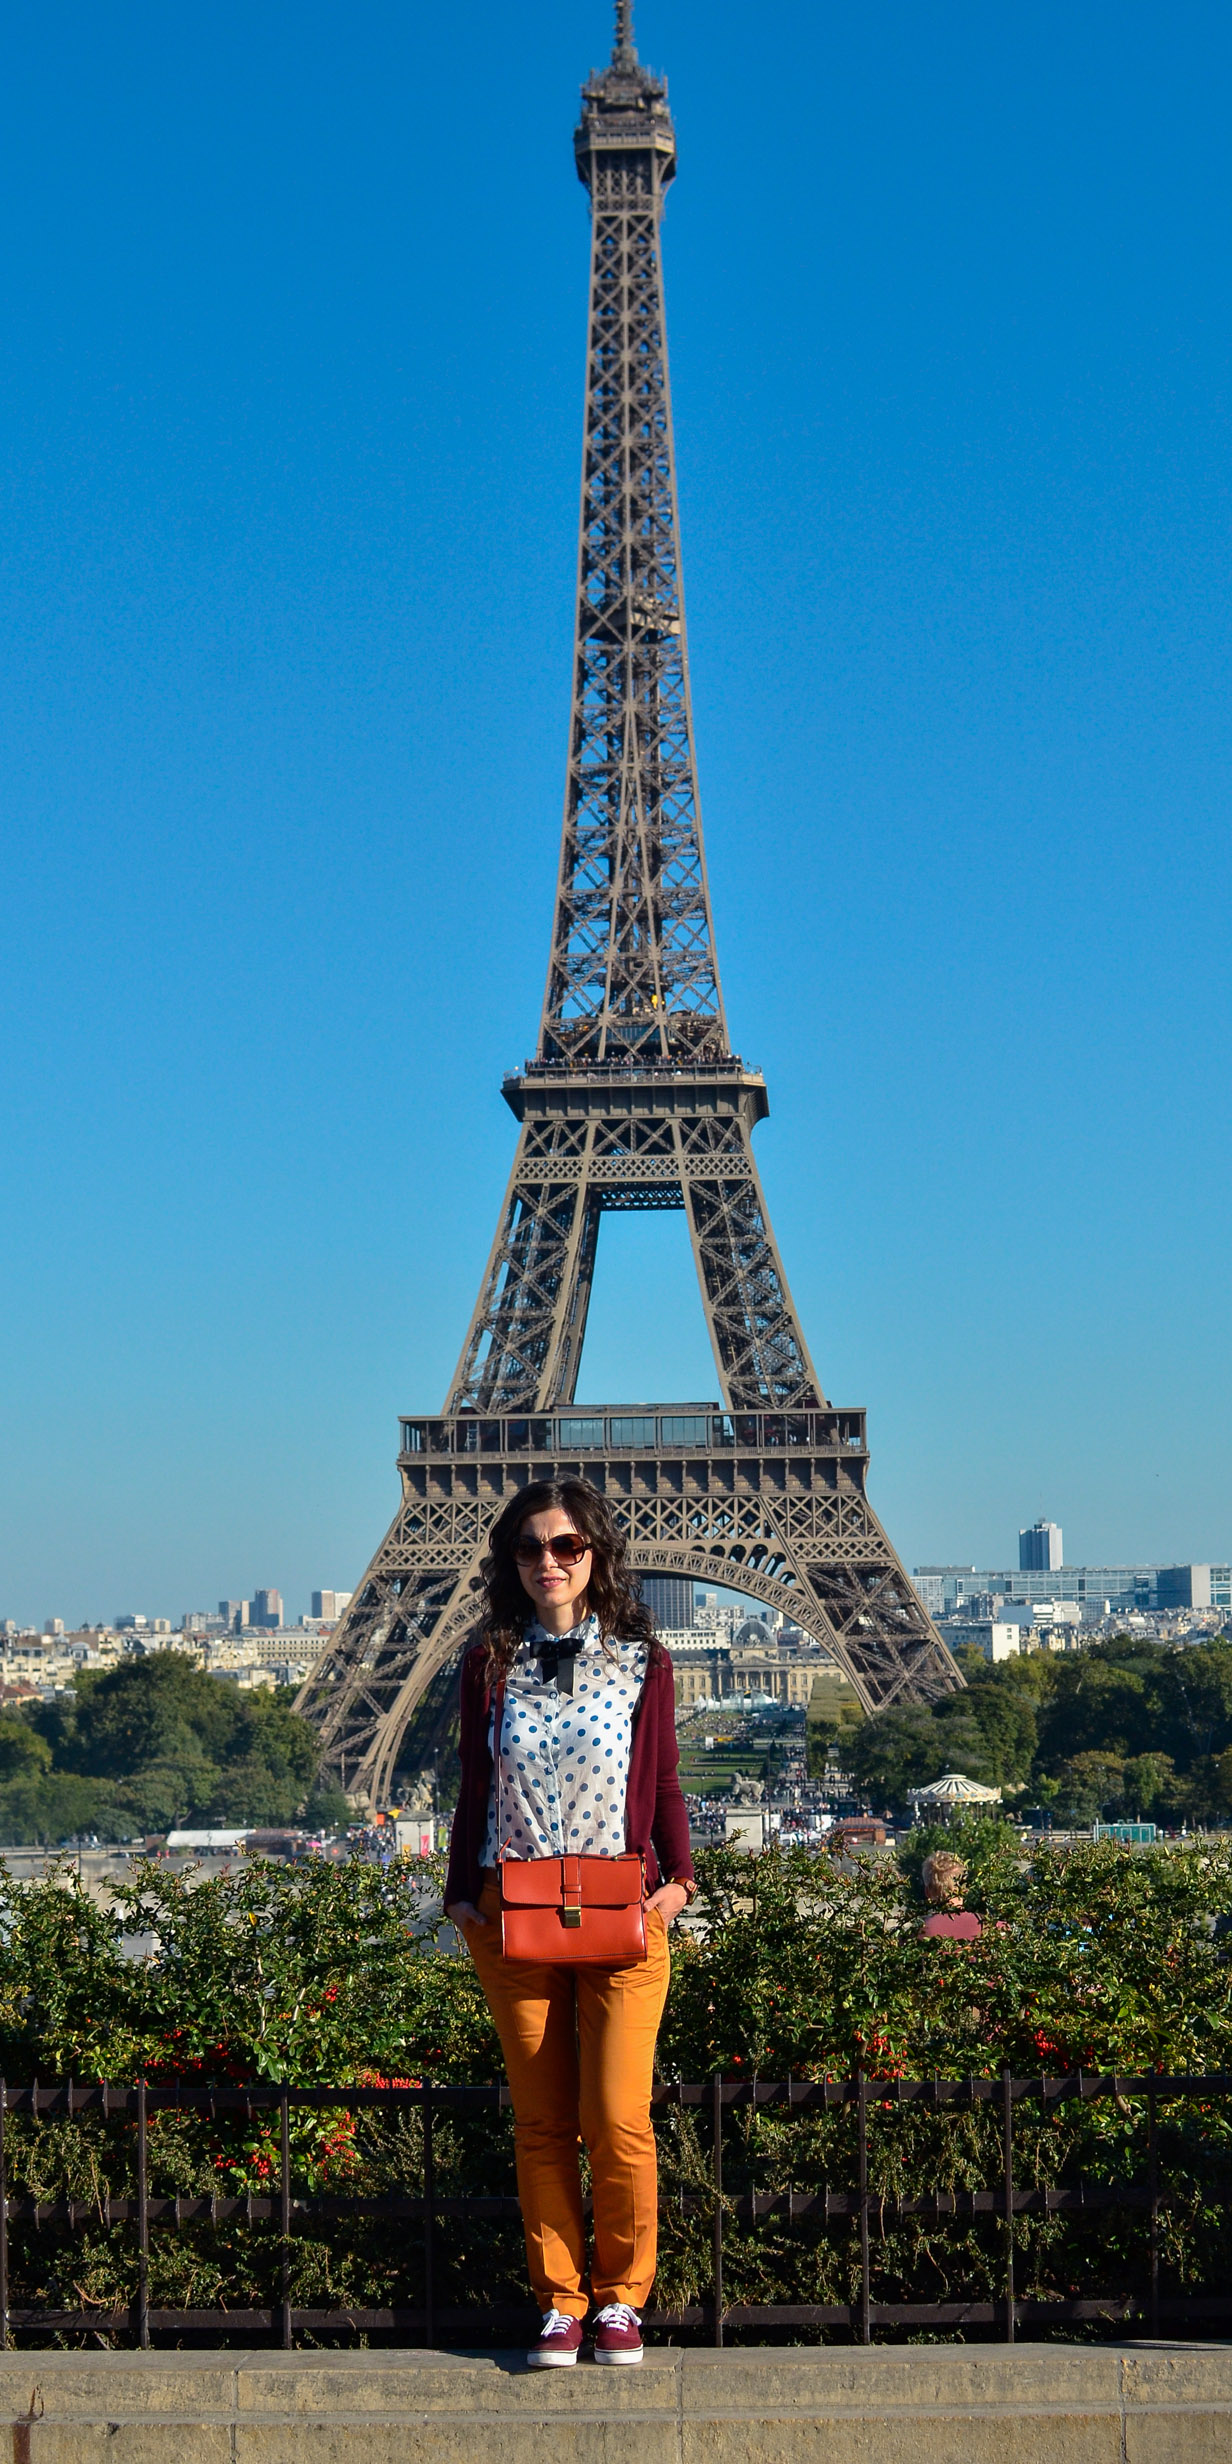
(577,1912)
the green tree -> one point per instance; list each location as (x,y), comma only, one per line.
(1096,1707)
(157,1710)
(23,1753)
(59,1805)
(1223,1780)
(167,1795)
(327,1808)
(1091,1788)
(155,1743)
(1149,1784)
(896,1751)
(1005,1717)
(826,1728)
(1199,1697)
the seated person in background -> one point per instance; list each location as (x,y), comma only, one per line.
(944,1877)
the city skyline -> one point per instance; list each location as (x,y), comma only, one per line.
(281,788)
(657,1590)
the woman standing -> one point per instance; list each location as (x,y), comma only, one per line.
(585,1765)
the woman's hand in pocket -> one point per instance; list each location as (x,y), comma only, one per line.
(462,1913)
(669,1899)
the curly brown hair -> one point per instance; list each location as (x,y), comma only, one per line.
(944,1876)
(611,1592)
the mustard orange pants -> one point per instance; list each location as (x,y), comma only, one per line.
(579,2057)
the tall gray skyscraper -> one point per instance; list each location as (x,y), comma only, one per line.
(1039,1549)
(669,1598)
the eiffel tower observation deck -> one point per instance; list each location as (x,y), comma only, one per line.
(632,1099)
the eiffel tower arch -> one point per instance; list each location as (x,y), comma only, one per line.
(633,1099)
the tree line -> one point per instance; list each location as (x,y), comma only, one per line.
(1126,1728)
(152,1745)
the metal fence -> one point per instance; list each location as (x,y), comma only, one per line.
(1167,2261)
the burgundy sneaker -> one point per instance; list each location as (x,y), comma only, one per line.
(618,2333)
(558,2345)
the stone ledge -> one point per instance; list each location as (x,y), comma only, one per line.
(918,2404)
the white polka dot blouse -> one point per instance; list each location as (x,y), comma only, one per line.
(564,1758)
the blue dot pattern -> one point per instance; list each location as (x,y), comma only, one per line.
(564,1764)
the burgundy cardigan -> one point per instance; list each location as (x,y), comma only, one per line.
(656,1819)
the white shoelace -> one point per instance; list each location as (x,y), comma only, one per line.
(617,2314)
(553,2320)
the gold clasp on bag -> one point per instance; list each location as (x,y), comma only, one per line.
(572,1917)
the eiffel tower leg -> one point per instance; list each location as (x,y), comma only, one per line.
(417,1602)
(577,1283)
(530,1316)
(450,1630)
(758,1342)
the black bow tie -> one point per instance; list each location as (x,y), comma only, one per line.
(558,1661)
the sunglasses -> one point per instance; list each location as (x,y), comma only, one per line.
(564,1546)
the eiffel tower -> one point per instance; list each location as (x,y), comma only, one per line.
(634,1098)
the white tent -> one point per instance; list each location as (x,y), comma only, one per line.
(954,1788)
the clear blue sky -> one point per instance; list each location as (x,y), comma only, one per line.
(293,320)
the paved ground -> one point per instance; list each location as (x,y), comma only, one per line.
(923,2404)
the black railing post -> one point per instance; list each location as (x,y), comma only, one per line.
(1153,2160)
(429,2192)
(284,2218)
(716,2089)
(1007,2136)
(866,2290)
(4,2224)
(143,2223)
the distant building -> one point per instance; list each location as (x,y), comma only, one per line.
(329,1605)
(1193,1587)
(299,1644)
(718,1617)
(940,1586)
(991,1635)
(234,1615)
(1039,1549)
(266,1610)
(669,1598)
(707,1668)
(1100,1589)
(1019,1612)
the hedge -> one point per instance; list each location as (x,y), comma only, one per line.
(1098,1957)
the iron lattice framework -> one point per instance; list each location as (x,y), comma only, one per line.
(633,1099)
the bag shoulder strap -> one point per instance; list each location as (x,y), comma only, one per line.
(498,1722)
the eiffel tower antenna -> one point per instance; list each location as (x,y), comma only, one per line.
(623,52)
(633,1099)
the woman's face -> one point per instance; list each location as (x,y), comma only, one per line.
(552,1586)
